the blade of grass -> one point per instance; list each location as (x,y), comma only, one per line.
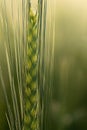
(13,94)
(11,117)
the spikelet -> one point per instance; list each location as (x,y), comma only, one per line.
(31,88)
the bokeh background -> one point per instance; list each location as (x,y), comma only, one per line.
(68,102)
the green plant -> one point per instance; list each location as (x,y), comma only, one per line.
(22,71)
(31,95)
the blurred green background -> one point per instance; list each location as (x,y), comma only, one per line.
(68,103)
(10,32)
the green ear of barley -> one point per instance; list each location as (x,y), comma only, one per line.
(31,88)
(15,108)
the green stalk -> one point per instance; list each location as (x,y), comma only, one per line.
(20,80)
(31,88)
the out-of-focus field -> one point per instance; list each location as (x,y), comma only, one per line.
(68,105)
(9,25)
